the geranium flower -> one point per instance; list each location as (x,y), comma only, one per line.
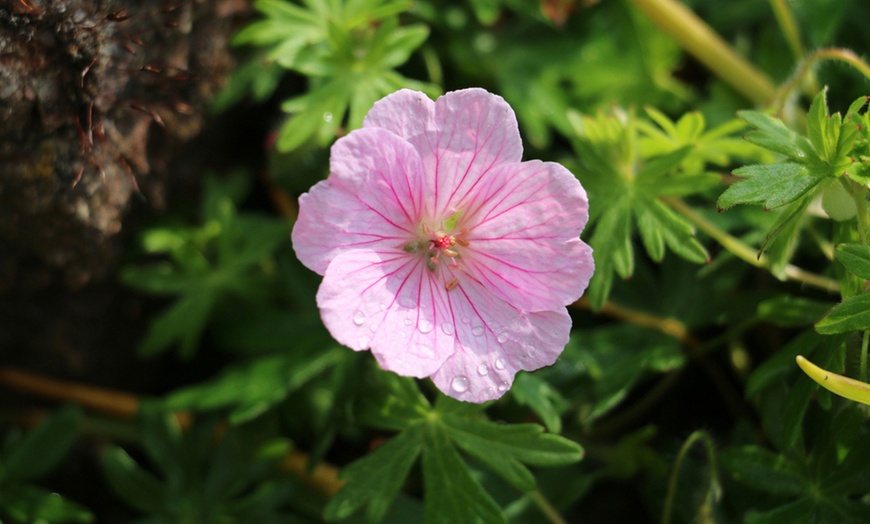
(441,251)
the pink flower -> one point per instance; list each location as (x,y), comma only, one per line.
(441,251)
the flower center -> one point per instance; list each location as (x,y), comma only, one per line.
(441,245)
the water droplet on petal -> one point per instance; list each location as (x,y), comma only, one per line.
(407,322)
(408,302)
(382,306)
(425,326)
(460,383)
(466,320)
(502,338)
(482,370)
(447,328)
(503,386)
(477,331)
(359,318)
(426,351)
(499,363)
(364,341)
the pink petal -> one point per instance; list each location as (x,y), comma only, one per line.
(388,302)
(495,340)
(459,137)
(408,114)
(372,198)
(477,131)
(524,224)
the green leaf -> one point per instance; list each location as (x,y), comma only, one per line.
(772,134)
(136,486)
(451,494)
(503,448)
(43,447)
(853,314)
(251,388)
(673,229)
(855,258)
(763,470)
(611,245)
(773,185)
(817,124)
(182,324)
(27,503)
(542,398)
(157,279)
(789,311)
(397,406)
(375,480)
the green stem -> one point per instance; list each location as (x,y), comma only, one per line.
(697,38)
(546,508)
(789,27)
(746,253)
(862,372)
(805,68)
(712,478)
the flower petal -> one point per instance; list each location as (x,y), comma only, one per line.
(408,114)
(524,225)
(372,198)
(495,340)
(391,304)
(477,130)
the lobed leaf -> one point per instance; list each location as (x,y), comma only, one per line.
(503,448)
(451,493)
(374,480)
(853,314)
(773,185)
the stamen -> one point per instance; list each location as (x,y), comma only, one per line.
(452,283)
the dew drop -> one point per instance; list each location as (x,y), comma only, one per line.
(359,318)
(382,306)
(426,351)
(407,302)
(482,370)
(364,342)
(466,320)
(447,328)
(502,338)
(499,363)
(407,322)
(503,386)
(460,383)
(425,326)
(477,331)
(327,117)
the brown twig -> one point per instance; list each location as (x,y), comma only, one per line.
(122,404)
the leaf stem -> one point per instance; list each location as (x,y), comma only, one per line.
(745,252)
(865,342)
(696,37)
(789,27)
(711,488)
(805,68)
(546,507)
